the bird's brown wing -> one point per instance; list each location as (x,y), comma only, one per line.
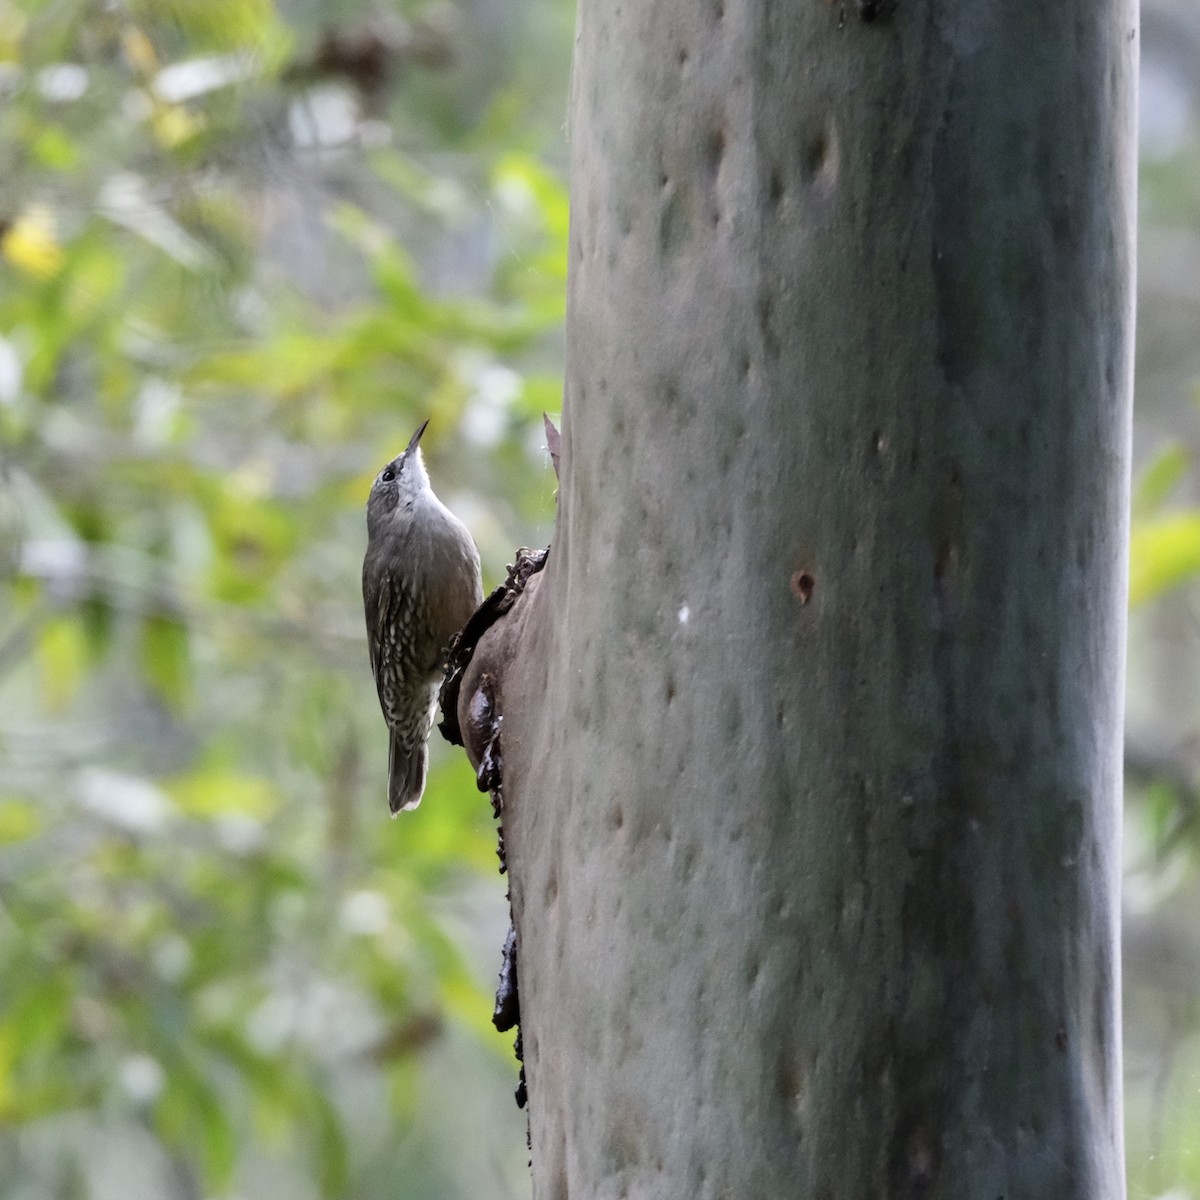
(458,592)
(387,610)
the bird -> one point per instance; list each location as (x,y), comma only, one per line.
(421,582)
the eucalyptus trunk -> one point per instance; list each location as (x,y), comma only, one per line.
(811,724)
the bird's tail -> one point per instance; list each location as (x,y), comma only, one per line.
(406,773)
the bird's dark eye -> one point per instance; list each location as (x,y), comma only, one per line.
(388,475)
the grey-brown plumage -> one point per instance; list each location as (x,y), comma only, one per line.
(421,582)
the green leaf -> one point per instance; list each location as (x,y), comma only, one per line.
(62,653)
(19,821)
(165,658)
(328,1146)
(53,148)
(1163,553)
(216,793)
(8,1085)
(219,24)
(522,180)
(190,1117)
(1159,480)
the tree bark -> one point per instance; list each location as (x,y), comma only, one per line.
(811,724)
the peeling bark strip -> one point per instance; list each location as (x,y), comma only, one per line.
(553,443)
(507,1012)
(462,649)
(474,721)
(477,728)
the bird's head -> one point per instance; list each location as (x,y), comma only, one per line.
(399,484)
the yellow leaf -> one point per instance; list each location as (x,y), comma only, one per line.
(31,244)
(12,30)
(174,125)
(139,50)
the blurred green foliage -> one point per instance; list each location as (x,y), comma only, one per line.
(1164,538)
(244,253)
(1161,946)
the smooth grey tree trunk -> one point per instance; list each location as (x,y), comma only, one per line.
(811,725)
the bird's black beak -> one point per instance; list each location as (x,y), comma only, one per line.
(416,437)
